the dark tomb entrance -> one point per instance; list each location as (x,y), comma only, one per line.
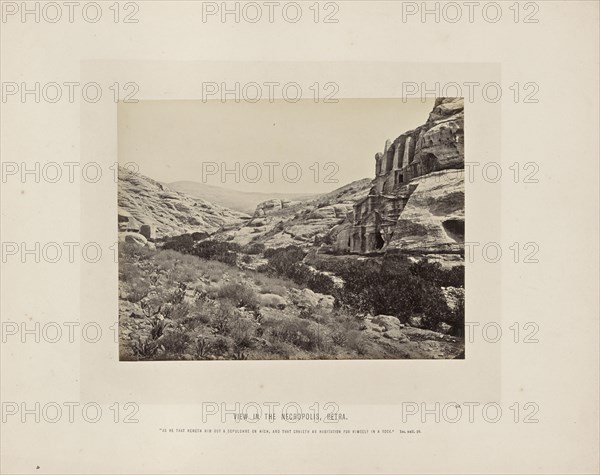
(379,241)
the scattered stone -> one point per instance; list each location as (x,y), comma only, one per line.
(135,238)
(147,231)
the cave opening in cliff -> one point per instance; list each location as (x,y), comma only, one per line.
(429,163)
(379,241)
(455,229)
(399,178)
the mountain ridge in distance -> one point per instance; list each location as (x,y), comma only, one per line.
(243,201)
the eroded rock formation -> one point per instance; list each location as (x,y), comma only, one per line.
(280,223)
(147,208)
(416,202)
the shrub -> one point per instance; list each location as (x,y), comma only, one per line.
(130,252)
(144,348)
(183,272)
(158,328)
(225,252)
(321,283)
(339,337)
(178,311)
(199,236)
(183,243)
(254,248)
(175,342)
(138,290)
(272,285)
(242,339)
(241,295)
(435,309)
(220,346)
(213,270)
(222,318)
(398,287)
(166,259)
(202,311)
(177,296)
(456,317)
(434,273)
(298,333)
(281,349)
(179,268)
(129,272)
(202,347)
(356,341)
(307,313)
(287,261)
(284,259)
(151,306)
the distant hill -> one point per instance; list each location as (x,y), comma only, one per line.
(142,200)
(242,201)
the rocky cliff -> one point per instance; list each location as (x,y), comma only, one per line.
(416,201)
(278,223)
(148,207)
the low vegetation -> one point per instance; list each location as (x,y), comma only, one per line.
(190,300)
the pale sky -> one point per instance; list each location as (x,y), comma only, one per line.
(190,140)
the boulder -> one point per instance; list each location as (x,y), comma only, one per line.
(389,322)
(257,222)
(326,212)
(135,238)
(269,206)
(272,300)
(444,328)
(306,298)
(415,321)
(392,327)
(147,231)
(124,216)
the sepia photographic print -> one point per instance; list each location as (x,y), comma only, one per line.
(299,237)
(279,231)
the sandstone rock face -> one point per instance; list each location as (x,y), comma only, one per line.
(432,221)
(144,203)
(280,223)
(268,207)
(331,212)
(416,203)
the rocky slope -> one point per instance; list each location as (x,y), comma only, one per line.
(177,307)
(148,206)
(278,223)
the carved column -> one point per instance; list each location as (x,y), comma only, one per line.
(405,159)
